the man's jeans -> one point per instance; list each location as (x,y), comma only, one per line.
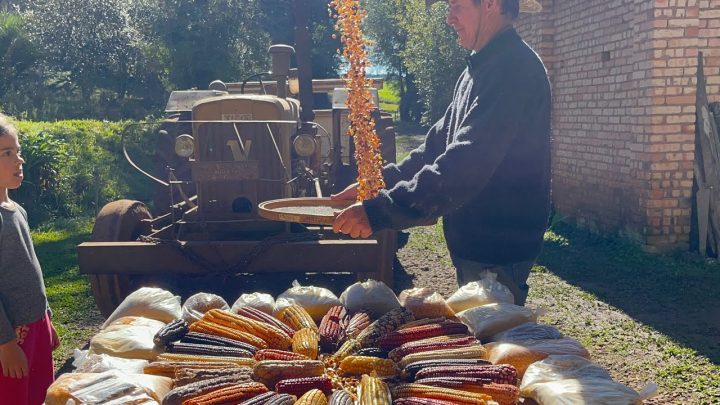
(513,276)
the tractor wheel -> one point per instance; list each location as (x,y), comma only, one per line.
(118,221)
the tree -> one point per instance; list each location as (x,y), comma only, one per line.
(18,59)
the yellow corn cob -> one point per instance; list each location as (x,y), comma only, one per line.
(443,394)
(312,397)
(306,342)
(296,317)
(212,328)
(373,392)
(269,372)
(238,361)
(272,335)
(470,352)
(359,365)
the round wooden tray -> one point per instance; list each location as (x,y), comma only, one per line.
(316,211)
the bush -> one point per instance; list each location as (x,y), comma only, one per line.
(73,168)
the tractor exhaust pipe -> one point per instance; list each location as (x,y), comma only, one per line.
(280,56)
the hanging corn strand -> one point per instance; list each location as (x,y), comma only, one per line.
(362,127)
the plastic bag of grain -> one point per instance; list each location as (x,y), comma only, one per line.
(487,290)
(425,303)
(130,337)
(374,296)
(487,320)
(148,302)
(98,363)
(108,386)
(260,301)
(528,331)
(195,307)
(317,301)
(574,380)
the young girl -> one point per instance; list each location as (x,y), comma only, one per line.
(27,337)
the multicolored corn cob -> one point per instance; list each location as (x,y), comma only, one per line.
(332,328)
(341,397)
(274,336)
(206,339)
(357,323)
(411,369)
(258,315)
(421,322)
(171,332)
(313,397)
(430,344)
(207,350)
(271,398)
(306,342)
(385,324)
(299,386)
(296,317)
(359,365)
(169,368)
(420,401)
(231,394)
(503,394)
(178,395)
(270,372)
(274,354)
(282,399)
(443,394)
(212,328)
(468,352)
(237,361)
(373,352)
(500,373)
(394,339)
(373,391)
(185,376)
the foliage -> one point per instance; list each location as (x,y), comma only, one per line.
(18,64)
(73,168)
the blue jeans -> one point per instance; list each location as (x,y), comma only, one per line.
(514,276)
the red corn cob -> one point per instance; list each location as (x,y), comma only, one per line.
(501,373)
(504,394)
(411,369)
(357,323)
(274,354)
(424,345)
(332,328)
(443,394)
(299,386)
(258,315)
(231,394)
(394,339)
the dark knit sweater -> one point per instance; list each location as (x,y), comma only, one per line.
(485,166)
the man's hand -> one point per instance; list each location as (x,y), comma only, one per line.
(13,360)
(55,338)
(353,221)
(350,193)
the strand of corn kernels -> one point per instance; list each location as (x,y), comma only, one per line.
(362,127)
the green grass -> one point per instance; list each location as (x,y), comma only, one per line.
(390,98)
(74,313)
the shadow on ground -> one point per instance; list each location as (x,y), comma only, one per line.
(676,295)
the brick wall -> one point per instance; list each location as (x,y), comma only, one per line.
(623,74)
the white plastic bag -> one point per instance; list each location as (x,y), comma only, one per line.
(528,332)
(487,320)
(98,363)
(317,301)
(261,301)
(574,380)
(148,302)
(130,337)
(110,387)
(425,303)
(372,295)
(487,290)
(195,307)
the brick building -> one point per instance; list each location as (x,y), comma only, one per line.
(624,75)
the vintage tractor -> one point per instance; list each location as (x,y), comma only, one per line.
(220,153)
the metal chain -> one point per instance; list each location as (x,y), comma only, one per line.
(244,263)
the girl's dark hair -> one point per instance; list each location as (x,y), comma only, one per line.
(6,127)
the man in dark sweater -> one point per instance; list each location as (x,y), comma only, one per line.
(485,166)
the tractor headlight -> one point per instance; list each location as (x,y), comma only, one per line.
(304,145)
(184,145)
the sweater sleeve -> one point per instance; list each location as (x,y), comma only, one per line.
(7,332)
(481,142)
(424,154)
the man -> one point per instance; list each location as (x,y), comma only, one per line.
(485,166)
